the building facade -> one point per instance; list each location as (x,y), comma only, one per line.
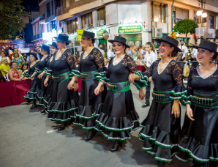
(138,21)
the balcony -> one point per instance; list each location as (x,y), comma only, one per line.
(59,11)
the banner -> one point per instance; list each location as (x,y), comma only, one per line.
(79,34)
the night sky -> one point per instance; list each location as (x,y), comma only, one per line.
(30,4)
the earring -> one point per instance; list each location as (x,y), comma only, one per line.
(90,44)
(211,60)
(168,55)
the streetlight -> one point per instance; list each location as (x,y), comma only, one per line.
(204,15)
(199,13)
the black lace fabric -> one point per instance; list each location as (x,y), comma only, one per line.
(97,57)
(68,57)
(171,78)
(129,63)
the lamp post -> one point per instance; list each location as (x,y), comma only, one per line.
(201,11)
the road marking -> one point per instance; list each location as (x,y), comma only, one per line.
(51,131)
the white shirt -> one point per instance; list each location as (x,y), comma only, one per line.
(110,54)
(102,51)
(150,58)
(185,50)
(142,52)
(195,52)
(6,57)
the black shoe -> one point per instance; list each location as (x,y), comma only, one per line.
(116,146)
(33,106)
(145,105)
(42,111)
(161,164)
(90,135)
(62,127)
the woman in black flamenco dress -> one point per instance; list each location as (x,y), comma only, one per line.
(118,117)
(161,128)
(31,94)
(199,133)
(40,70)
(90,66)
(64,102)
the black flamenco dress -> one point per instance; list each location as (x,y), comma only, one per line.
(90,105)
(41,89)
(31,94)
(48,95)
(200,138)
(161,130)
(64,102)
(118,117)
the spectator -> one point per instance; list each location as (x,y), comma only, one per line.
(4,67)
(25,67)
(14,73)
(184,49)
(19,60)
(53,48)
(110,53)
(100,46)
(2,79)
(134,52)
(38,52)
(3,54)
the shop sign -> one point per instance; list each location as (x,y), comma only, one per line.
(79,34)
(100,33)
(130,29)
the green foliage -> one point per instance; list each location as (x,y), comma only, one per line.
(11,18)
(216,33)
(186,26)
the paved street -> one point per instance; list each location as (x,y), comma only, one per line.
(28,140)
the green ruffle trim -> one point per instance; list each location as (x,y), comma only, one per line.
(113,138)
(29,98)
(82,117)
(75,73)
(196,158)
(186,100)
(143,80)
(158,143)
(58,111)
(83,127)
(190,159)
(158,158)
(60,120)
(114,129)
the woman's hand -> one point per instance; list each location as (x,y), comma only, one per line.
(97,90)
(32,77)
(141,94)
(189,112)
(176,109)
(131,78)
(150,79)
(46,82)
(72,85)
(40,75)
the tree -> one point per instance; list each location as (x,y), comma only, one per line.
(11,18)
(186,26)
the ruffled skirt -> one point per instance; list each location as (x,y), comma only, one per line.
(200,138)
(64,102)
(161,132)
(48,95)
(90,105)
(31,94)
(41,91)
(118,117)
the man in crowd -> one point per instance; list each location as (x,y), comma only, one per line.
(110,53)
(183,48)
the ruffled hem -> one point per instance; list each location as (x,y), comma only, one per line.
(142,82)
(159,158)
(86,112)
(195,149)
(117,124)
(75,73)
(62,107)
(86,124)
(161,138)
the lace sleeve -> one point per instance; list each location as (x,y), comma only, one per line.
(130,63)
(98,58)
(69,58)
(177,72)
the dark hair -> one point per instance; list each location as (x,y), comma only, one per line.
(174,52)
(46,51)
(214,56)
(13,63)
(93,40)
(3,52)
(100,44)
(151,45)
